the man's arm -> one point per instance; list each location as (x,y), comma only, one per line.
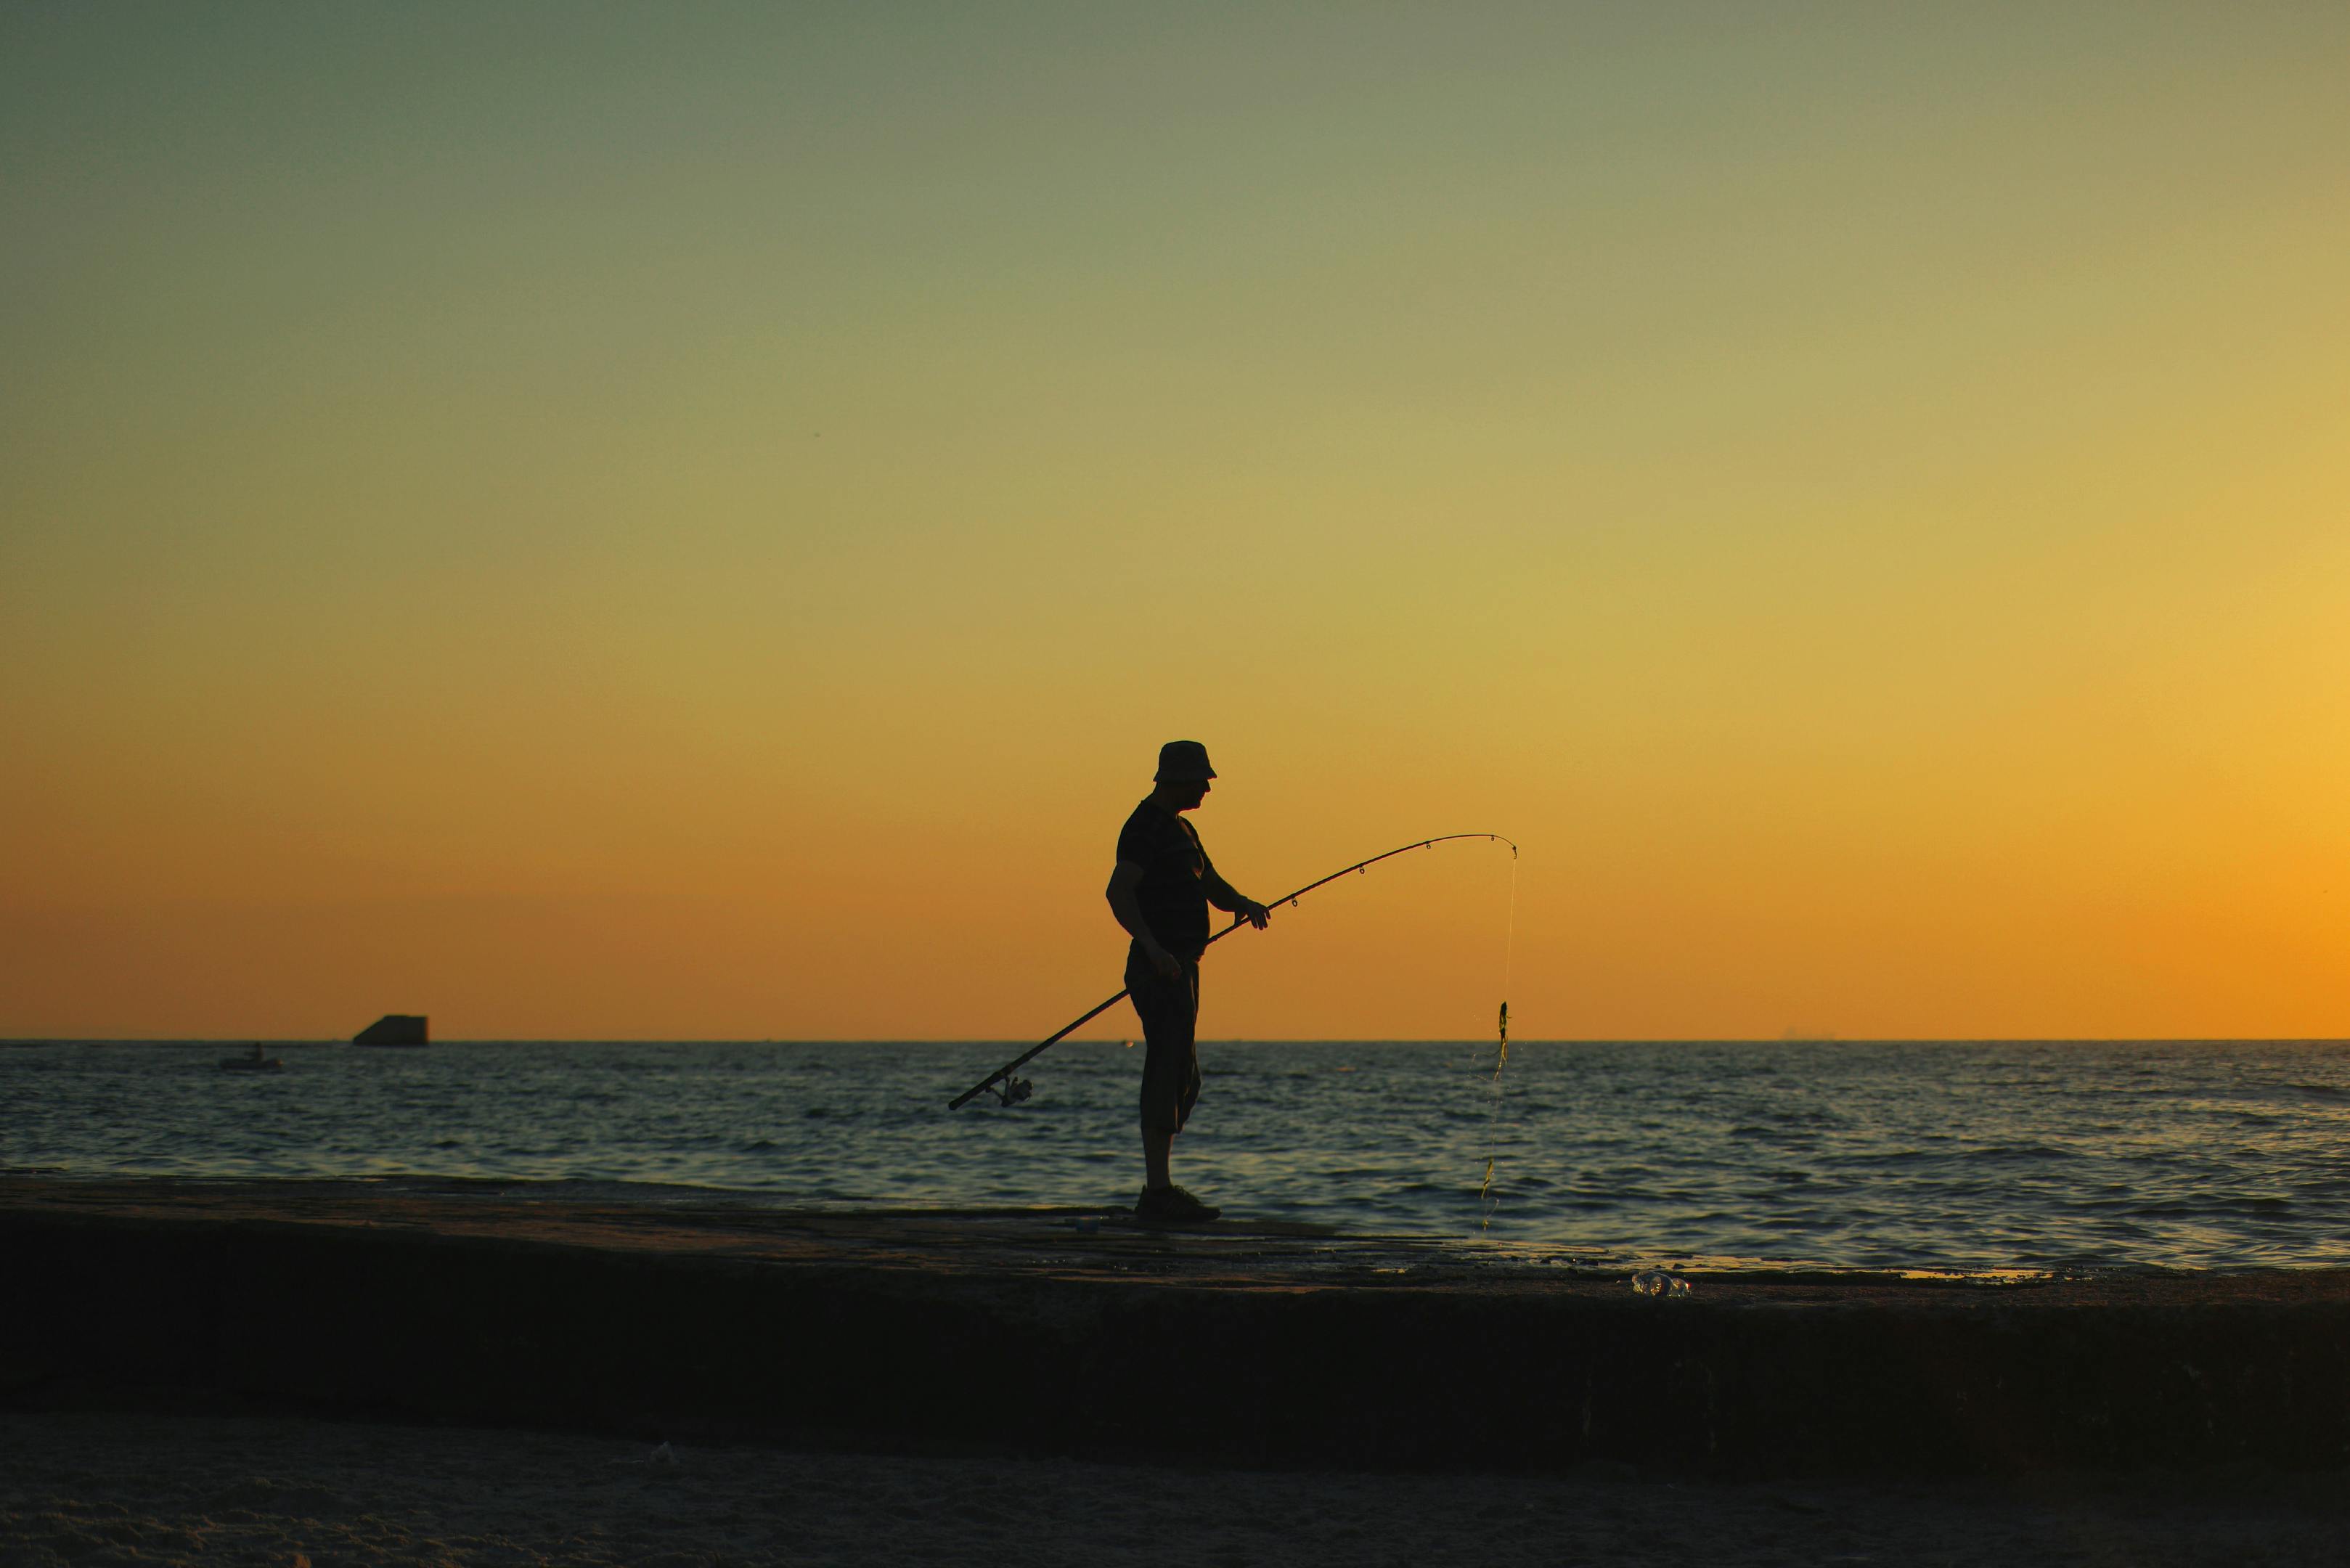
(1225,896)
(1123,879)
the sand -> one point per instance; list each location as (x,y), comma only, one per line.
(96,1489)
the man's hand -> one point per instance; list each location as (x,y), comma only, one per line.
(1168,966)
(1255,913)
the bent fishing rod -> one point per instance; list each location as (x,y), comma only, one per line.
(1014,1090)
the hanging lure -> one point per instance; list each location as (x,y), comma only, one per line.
(1501,1061)
(1486,1202)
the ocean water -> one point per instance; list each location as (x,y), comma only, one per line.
(1936,1155)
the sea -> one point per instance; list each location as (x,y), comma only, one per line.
(1958,1155)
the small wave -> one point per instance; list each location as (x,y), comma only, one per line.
(2021,1153)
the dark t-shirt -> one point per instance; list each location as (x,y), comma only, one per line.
(1174,901)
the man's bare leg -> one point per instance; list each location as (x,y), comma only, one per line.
(1156,1147)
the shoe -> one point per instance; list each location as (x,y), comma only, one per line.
(1172,1205)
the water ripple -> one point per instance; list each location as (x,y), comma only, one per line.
(1929,1155)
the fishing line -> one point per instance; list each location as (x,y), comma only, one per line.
(1010,1091)
(1486,1202)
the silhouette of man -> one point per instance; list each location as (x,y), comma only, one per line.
(1160,891)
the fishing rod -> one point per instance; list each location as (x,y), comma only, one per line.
(1016,1090)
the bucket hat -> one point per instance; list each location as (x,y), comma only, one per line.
(1183,760)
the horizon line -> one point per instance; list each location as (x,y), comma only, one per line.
(1820,1039)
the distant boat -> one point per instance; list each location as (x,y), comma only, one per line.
(393,1028)
(256,1062)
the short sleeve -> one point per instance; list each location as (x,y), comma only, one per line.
(1134,846)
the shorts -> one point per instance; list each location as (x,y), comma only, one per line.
(1170,1011)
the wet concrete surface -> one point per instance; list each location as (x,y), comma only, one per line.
(1079,1332)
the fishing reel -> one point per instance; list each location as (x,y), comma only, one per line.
(1010,1091)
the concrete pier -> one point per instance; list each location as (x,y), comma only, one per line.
(1074,1331)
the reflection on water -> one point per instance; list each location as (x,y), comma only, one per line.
(1924,1156)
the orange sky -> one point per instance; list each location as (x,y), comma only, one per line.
(685,523)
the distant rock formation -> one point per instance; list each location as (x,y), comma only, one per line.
(393,1028)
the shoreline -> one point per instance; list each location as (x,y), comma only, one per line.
(1053,1331)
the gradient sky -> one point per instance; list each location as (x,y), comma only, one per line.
(692,522)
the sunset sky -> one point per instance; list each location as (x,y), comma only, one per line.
(682,522)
